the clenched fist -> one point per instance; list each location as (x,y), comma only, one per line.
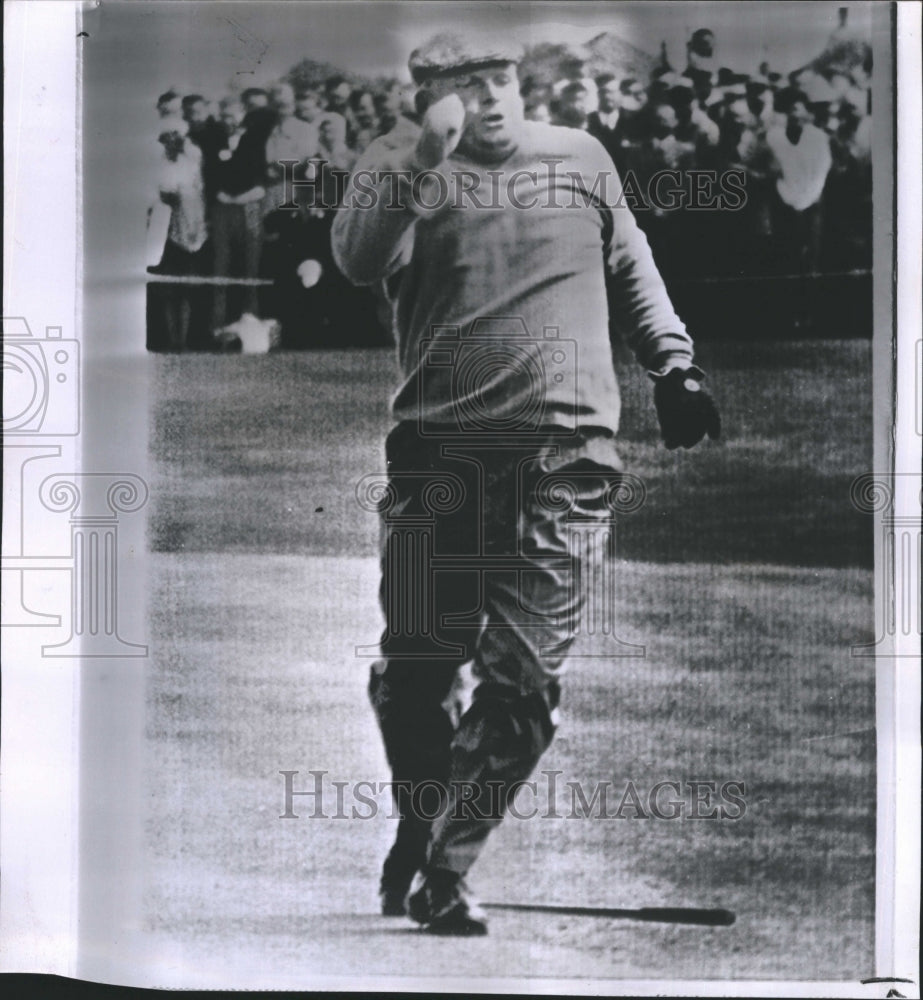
(443,124)
(685,410)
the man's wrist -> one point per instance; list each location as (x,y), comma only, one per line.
(663,364)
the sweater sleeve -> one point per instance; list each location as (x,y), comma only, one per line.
(638,299)
(372,236)
(639,305)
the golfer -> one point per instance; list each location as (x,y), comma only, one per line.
(503,249)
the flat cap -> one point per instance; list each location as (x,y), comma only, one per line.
(449,53)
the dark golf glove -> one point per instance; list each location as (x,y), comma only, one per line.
(685,410)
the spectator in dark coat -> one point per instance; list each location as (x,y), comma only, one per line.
(608,123)
(208,135)
(240,186)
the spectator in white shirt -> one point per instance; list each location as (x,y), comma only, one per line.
(803,160)
(290,139)
(309,106)
(180,186)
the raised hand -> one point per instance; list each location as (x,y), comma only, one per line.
(443,125)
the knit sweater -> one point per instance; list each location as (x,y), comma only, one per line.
(501,297)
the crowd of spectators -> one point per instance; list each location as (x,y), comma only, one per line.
(789,158)
(774,172)
(217,213)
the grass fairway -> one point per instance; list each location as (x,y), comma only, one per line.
(262,454)
(746,576)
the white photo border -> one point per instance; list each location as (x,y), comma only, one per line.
(45,701)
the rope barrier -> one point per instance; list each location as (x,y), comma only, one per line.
(189,279)
(735,279)
(214,280)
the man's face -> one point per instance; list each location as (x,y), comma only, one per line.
(308,105)
(283,100)
(338,97)
(664,121)
(392,99)
(231,115)
(575,104)
(840,84)
(832,123)
(170,109)
(196,113)
(704,45)
(609,96)
(365,110)
(254,101)
(799,115)
(738,113)
(573,68)
(493,110)
(633,98)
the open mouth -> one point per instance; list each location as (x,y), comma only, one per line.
(493,121)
